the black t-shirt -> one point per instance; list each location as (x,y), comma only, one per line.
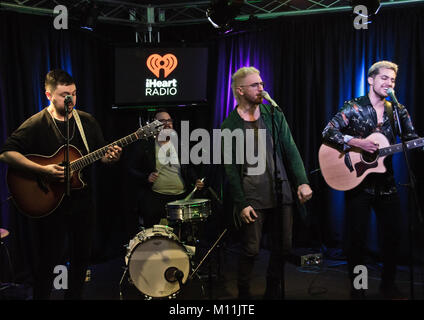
(39,135)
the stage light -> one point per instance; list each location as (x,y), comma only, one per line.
(221,13)
(89,14)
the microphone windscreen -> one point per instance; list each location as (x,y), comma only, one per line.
(68,99)
(265,95)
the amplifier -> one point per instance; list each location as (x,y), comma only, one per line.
(305,257)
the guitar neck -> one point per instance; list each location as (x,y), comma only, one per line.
(142,133)
(412,144)
(99,153)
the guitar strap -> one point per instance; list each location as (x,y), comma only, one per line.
(80,128)
(389,111)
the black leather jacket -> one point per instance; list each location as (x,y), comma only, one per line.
(357,118)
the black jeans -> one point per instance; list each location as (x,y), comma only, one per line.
(70,227)
(388,211)
(273,223)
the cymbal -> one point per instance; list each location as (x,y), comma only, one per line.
(3,233)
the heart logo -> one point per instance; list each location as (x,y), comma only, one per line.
(156,62)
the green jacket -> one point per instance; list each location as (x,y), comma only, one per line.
(290,155)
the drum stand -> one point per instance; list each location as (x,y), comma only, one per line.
(203,260)
(121,297)
(207,254)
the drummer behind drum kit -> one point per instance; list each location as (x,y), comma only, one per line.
(159,261)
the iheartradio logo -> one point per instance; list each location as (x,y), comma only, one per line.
(167,63)
(161,87)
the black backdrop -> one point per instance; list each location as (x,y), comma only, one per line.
(315,62)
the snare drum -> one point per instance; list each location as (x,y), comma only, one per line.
(153,257)
(187,210)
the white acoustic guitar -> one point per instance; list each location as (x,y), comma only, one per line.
(346,170)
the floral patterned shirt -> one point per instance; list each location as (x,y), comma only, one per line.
(358,119)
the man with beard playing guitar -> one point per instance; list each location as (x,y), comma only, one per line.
(44,134)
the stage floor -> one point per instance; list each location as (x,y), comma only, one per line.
(217,280)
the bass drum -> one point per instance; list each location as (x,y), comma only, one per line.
(158,263)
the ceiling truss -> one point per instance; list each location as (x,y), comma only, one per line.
(162,13)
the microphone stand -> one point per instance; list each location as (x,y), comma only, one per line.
(66,157)
(279,194)
(417,203)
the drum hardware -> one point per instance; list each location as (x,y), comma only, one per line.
(121,297)
(191,250)
(207,254)
(189,232)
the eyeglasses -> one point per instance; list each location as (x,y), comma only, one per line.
(166,120)
(254,85)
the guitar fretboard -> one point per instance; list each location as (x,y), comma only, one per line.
(416,143)
(142,133)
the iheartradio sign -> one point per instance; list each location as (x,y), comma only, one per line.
(161,67)
(174,76)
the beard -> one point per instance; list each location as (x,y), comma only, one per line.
(61,110)
(256,100)
(382,93)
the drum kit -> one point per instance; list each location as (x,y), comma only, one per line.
(159,259)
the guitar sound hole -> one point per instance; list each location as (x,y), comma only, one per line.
(368,157)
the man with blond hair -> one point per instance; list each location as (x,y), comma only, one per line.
(356,120)
(254,195)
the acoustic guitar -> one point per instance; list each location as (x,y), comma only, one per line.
(346,170)
(36,197)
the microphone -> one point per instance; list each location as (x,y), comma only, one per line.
(273,103)
(173,274)
(391,93)
(68,100)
